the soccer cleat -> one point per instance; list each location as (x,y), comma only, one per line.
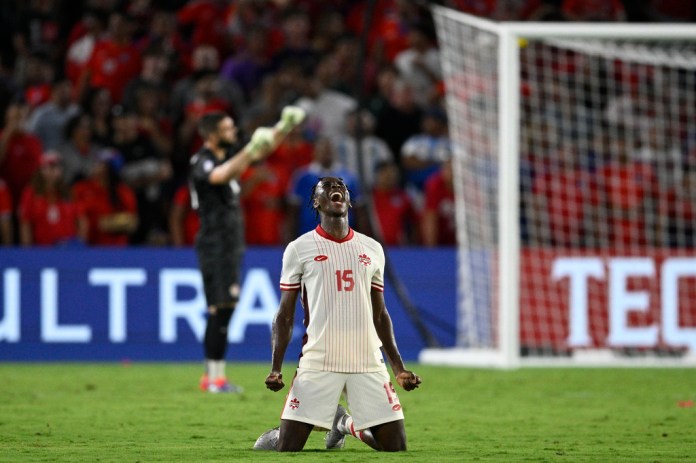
(335,439)
(222,386)
(204,383)
(268,440)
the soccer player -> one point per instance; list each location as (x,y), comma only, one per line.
(340,274)
(214,175)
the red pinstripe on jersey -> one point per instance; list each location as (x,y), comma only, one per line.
(336,288)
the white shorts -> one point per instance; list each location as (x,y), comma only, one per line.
(314,395)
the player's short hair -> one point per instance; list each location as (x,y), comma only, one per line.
(209,122)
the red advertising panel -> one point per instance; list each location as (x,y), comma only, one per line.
(589,299)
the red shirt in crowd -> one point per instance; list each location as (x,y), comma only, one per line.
(5,199)
(52,220)
(112,66)
(208,20)
(95,202)
(394,211)
(439,197)
(21,161)
(565,193)
(289,157)
(626,188)
(263,187)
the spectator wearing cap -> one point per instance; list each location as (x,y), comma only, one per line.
(48,216)
(20,151)
(48,120)
(79,152)
(6,216)
(108,203)
(424,152)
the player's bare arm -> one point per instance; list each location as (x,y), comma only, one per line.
(263,142)
(280,338)
(383,324)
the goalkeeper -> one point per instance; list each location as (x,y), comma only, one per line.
(214,174)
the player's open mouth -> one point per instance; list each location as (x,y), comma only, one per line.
(336,196)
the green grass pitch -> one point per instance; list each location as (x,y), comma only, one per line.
(146,412)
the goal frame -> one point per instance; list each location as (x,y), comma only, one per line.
(507,354)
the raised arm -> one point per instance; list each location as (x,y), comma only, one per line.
(383,324)
(263,142)
(280,338)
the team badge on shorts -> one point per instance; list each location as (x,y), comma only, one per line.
(364,259)
(294,403)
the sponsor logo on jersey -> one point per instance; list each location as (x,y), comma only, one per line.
(364,259)
(321,258)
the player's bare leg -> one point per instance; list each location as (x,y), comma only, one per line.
(293,435)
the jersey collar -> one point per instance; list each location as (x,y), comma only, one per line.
(324,234)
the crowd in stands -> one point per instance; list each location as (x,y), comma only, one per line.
(101,98)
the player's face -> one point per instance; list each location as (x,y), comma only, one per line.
(227,133)
(332,197)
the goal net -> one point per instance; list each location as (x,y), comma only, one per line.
(575,168)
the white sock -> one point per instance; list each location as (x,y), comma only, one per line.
(215,369)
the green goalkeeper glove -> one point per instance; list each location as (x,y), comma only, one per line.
(291,117)
(261,140)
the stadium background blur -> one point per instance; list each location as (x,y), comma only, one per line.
(123,83)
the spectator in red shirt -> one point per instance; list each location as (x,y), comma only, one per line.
(626,191)
(108,203)
(6,216)
(207,18)
(20,151)
(115,59)
(183,219)
(560,194)
(439,223)
(293,153)
(393,206)
(263,194)
(47,214)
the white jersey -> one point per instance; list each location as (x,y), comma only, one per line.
(335,279)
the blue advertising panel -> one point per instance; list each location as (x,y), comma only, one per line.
(148,304)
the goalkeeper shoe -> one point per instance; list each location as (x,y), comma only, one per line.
(291,117)
(335,439)
(204,383)
(268,440)
(222,386)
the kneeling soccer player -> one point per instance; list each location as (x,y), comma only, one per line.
(340,274)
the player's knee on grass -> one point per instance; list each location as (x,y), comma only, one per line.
(293,435)
(390,437)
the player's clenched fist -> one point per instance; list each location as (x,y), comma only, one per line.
(274,381)
(408,380)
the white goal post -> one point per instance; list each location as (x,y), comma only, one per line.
(575,185)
